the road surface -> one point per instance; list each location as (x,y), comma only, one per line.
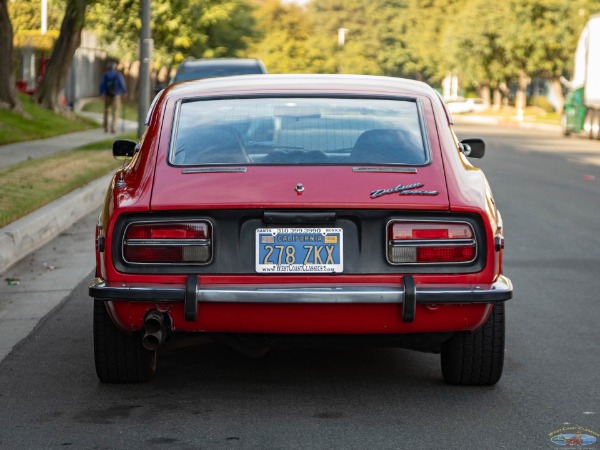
(207,396)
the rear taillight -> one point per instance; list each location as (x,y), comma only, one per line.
(430,242)
(168,243)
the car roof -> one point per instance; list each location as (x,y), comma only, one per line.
(269,84)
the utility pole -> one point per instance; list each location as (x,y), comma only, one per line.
(44,16)
(341,42)
(146,47)
(342,36)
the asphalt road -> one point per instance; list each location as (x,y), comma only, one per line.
(206,396)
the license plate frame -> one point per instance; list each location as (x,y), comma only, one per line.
(315,250)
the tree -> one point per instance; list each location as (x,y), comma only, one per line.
(540,40)
(27,14)
(288,43)
(558,25)
(362,19)
(180,29)
(8,93)
(414,38)
(47,93)
(476,47)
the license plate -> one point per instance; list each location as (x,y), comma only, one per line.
(299,250)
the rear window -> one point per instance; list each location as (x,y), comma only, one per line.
(299,131)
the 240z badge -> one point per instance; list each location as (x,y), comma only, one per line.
(403,189)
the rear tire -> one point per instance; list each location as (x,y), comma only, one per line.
(476,359)
(595,125)
(119,357)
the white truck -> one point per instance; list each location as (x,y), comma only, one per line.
(582,103)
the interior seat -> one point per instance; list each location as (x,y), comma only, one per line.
(387,146)
(211,145)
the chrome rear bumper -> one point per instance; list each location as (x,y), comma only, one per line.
(499,291)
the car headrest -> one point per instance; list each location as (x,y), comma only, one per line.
(211,145)
(391,146)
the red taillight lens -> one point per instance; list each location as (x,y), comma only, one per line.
(168,242)
(446,254)
(192,230)
(430,242)
(429,230)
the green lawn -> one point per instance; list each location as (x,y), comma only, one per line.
(31,184)
(130,111)
(38,123)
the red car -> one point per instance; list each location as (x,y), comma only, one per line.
(300,210)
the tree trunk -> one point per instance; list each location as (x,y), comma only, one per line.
(8,92)
(521,98)
(504,93)
(133,81)
(49,90)
(558,94)
(484,93)
(497,98)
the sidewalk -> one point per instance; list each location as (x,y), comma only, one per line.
(473,119)
(29,233)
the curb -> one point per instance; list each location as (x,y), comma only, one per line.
(29,233)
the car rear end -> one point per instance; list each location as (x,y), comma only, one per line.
(291,217)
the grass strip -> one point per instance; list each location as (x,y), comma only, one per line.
(509,114)
(31,184)
(128,111)
(38,123)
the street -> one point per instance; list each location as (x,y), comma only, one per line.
(208,396)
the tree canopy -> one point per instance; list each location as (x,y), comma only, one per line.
(27,14)
(487,45)
(180,28)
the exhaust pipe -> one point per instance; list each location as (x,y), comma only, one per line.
(155,330)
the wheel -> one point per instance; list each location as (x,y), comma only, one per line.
(476,359)
(119,357)
(595,125)
(563,125)
(587,124)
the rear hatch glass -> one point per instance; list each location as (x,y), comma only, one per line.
(309,130)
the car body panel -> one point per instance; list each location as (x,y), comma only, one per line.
(324,187)
(307,319)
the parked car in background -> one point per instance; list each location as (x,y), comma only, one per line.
(195,69)
(300,210)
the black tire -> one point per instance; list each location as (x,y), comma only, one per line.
(588,124)
(595,125)
(476,359)
(119,357)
